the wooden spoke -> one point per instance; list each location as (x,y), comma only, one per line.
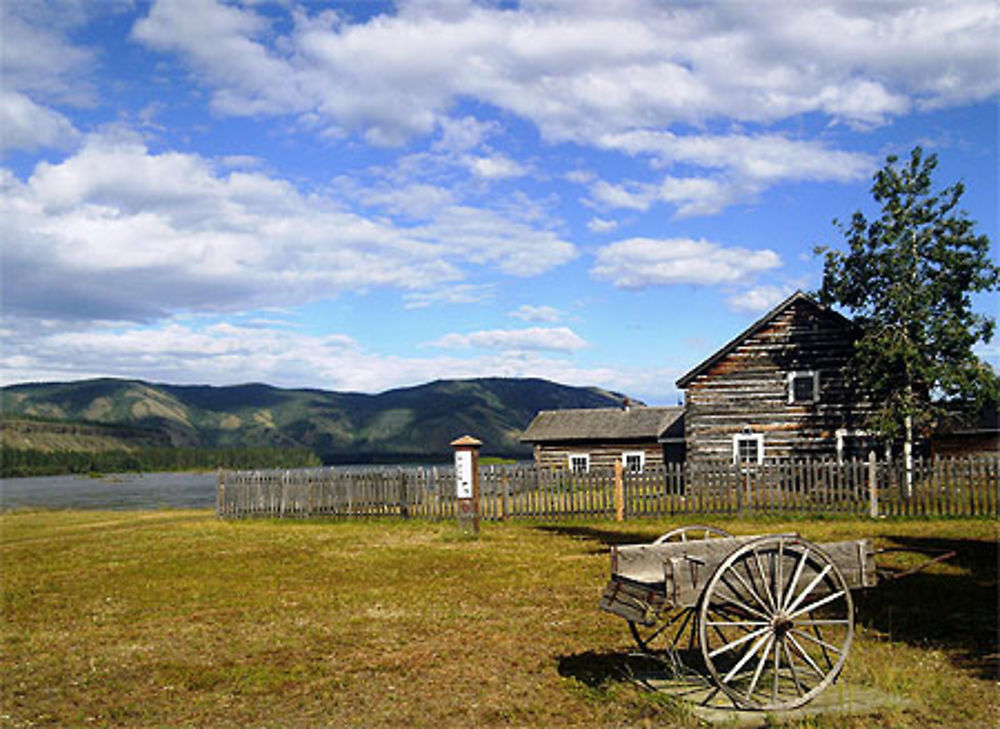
(764,654)
(802,652)
(739,641)
(752,594)
(813,606)
(775,623)
(791,665)
(812,585)
(817,641)
(763,580)
(795,577)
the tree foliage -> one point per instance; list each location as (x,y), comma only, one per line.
(27,462)
(908,277)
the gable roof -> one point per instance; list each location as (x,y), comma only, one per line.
(796,298)
(602,424)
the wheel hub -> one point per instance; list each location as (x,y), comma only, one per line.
(781,624)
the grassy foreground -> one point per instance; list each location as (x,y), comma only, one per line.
(178,619)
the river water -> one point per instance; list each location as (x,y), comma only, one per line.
(116,492)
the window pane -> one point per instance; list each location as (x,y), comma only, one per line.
(748,450)
(803,388)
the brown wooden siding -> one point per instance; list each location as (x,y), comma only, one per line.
(602,455)
(747,390)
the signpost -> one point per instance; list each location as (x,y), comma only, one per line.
(467,480)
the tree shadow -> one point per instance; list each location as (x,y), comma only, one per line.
(951,609)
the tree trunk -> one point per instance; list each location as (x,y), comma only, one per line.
(908,455)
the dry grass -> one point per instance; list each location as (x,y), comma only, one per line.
(177,619)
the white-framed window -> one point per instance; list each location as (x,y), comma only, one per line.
(803,387)
(633,461)
(579,462)
(853,444)
(748,448)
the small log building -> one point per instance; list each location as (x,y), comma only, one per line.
(586,439)
(777,391)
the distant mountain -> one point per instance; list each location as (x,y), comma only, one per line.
(408,423)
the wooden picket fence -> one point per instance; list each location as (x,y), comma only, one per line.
(938,487)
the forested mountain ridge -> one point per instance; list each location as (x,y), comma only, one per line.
(407,423)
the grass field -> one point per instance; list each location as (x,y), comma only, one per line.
(178,619)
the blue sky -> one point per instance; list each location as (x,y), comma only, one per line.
(366,195)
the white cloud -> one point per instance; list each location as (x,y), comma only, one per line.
(28,126)
(537,314)
(600,225)
(452,295)
(632,196)
(117,232)
(739,167)
(578,71)
(758,299)
(221,354)
(640,262)
(494,167)
(556,339)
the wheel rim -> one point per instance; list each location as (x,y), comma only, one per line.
(678,627)
(693,533)
(775,623)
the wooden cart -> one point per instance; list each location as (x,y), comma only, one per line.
(768,620)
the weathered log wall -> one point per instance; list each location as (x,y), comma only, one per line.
(747,390)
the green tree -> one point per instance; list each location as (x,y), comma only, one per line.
(907,277)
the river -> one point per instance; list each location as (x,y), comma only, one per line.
(117,492)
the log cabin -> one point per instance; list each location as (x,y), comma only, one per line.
(591,439)
(778,391)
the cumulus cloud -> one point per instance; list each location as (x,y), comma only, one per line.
(556,339)
(452,295)
(537,314)
(637,263)
(28,126)
(188,352)
(738,168)
(758,299)
(118,232)
(494,167)
(600,225)
(579,71)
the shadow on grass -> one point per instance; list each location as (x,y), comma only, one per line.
(599,669)
(955,612)
(605,537)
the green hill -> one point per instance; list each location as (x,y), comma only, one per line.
(402,424)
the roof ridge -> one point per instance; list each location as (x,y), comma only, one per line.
(798,295)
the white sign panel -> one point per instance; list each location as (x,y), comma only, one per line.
(463,474)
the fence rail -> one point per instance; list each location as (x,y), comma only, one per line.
(938,487)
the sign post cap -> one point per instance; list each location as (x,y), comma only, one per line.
(466,441)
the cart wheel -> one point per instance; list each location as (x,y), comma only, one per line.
(775,623)
(671,628)
(693,533)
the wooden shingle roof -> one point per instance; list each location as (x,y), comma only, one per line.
(604,424)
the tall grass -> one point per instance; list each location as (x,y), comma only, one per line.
(178,619)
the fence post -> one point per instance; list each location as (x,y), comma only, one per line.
(619,492)
(467,488)
(872,486)
(504,504)
(220,492)
(404,507)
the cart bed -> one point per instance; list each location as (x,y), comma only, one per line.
(647,579)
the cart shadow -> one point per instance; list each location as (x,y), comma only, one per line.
(605,537)
(952,609)
(597,669)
